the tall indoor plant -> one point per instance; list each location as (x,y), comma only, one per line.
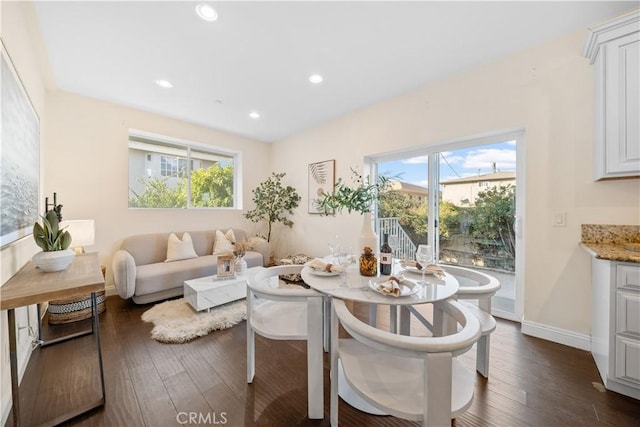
(274,202)
(54,242)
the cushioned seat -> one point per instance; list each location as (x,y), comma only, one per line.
(139,270)
(152,276)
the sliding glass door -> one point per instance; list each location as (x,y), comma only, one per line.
(403,211)
(461,199)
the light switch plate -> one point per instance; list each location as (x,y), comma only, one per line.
(559,219)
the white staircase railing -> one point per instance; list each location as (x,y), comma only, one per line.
(406,248)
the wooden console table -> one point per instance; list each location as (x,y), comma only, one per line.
(33,286)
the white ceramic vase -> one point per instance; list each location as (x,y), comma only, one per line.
(53,261)
(367,236)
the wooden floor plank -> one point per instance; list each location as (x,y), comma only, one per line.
(165,359)
(186,397)
(226,405)
(532,383)
(155,403)
(201,372)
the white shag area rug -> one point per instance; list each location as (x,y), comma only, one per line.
(176,322)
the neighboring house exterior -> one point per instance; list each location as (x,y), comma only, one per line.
(464,191)
(149,160)
(414,192)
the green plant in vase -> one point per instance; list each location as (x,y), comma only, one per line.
(359,197)
(54,242)
(49,236)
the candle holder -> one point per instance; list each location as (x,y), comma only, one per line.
(54,206)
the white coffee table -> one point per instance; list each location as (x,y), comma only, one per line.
(207,292)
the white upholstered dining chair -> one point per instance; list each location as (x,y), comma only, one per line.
(414,378)
(287,314)
(475,285)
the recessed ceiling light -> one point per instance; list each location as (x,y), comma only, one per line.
(164,83)
(206,12)
(254,115)
(315,78)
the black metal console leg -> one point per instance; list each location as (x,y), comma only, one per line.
(96,331)
(13,359)
(38,306)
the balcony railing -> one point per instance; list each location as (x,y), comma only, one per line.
(406,248)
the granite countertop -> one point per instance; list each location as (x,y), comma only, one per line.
(608,241)
(612,252)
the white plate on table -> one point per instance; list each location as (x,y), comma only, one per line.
(324,273)
(407,287)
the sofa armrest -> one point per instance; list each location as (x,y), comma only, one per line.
(124,273)
(261,245)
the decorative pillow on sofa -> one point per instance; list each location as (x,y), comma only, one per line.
(224,242)
(180,249)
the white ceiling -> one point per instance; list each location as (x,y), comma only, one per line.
(259,55)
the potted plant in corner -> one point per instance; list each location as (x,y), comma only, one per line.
(273,203)
(54,241)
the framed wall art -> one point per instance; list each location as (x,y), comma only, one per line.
(322,178)
(20,160)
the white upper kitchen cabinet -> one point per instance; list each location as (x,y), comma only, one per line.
(614,49)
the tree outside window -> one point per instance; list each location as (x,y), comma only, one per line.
(159,176)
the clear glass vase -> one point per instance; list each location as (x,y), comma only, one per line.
(241,264)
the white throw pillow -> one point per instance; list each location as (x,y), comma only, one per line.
(180,249)
(224,242)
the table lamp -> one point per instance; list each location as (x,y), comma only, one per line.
(83,233)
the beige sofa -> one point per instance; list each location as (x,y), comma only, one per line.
(140,273)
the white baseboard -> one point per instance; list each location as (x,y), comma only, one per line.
(505,315)
(557,335)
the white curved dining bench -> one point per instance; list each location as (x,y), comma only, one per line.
(482,289)
(287,314)
(414,378)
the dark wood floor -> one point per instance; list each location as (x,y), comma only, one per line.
(532,382)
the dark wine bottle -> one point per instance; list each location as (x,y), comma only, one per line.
(386,257)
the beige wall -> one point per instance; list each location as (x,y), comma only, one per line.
(548,91)
(87,166)
(16,24)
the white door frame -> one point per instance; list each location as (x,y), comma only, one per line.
(516,134)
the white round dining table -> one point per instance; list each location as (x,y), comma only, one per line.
(357,287)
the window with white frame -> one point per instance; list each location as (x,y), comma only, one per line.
(167,173)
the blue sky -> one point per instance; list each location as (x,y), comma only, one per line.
(455,164)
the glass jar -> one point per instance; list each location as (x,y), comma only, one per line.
(368,263)
(241,264)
